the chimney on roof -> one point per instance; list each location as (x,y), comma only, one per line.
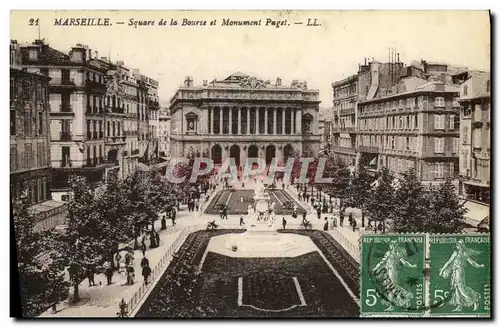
(78,53)
(365,61)
(278,81)
(398,57)
(188,81)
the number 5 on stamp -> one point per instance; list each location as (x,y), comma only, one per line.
(392,275)
(460,275)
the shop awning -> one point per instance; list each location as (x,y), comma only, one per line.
(477,212)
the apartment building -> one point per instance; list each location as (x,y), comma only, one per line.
(164,132)
(77,89)
(30,169)
(475,139)
(345,99)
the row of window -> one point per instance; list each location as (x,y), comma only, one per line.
(28,158)
(27,90)
(399,143)
(388,123)
(27,123)
(402,143)
(477,137)
(412,102)
(465,88)
(399,165)
(345,122)
(37,189)
(344,91)
(344,105)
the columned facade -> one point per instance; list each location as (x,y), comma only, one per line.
(249,119)
(236,124)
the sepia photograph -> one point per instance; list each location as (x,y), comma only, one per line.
(250,164)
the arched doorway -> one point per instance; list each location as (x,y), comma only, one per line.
(217,154)
(288,151)
(270,153)
(234,152)
(253,151)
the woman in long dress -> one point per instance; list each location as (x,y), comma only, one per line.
(454,269)
(391,261)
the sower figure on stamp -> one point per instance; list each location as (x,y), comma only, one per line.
(389,264)
(454,269)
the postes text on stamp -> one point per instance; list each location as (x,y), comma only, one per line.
(460,275)
(392,274)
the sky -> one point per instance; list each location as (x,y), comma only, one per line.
(318,54)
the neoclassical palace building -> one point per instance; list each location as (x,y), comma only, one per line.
(244,117)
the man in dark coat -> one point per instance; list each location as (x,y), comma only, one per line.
(146,272)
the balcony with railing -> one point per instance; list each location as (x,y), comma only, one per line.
(115,110)
(65,136)
(64,110)
(95,161)
(368,149)
(115,140)
(95,86)
(58,81)
(65,163)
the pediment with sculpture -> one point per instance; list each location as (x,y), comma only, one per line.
(254,83)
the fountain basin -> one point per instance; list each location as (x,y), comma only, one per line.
(261,244)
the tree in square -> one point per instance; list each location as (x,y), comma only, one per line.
(82,244)
(412,205)
(41,279)
(359,190)
(447,214)
(380,205)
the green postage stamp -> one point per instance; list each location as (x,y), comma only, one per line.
(393,275)
(460,275)
(445,275)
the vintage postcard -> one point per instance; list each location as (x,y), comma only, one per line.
(250,164)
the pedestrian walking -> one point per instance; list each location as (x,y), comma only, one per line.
(283,221)
(118,259)
(354,223)
(146,272)
(90,274)
(127,258)
(123,271)
(241,221)
(325,226)
(130,275)
(108,271)
(197,206)
(143,249)
(144,262)
(341,220)
(318,212)
(173,220)
(157,236)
